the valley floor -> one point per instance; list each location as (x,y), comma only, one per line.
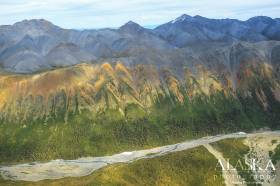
(179,164)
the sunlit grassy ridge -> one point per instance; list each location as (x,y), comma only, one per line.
(189,168)
(61,92)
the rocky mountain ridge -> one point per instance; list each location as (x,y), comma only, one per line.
(29,46)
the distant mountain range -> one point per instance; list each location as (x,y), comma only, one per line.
(36,45)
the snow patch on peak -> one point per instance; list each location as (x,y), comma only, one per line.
(181,18)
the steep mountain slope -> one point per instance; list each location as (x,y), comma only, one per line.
(96,88)
(68,90)
(66,54)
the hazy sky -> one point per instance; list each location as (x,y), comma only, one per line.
(113,13)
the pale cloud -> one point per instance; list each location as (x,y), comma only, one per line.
(113,13)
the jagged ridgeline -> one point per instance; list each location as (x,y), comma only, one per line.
(139,91)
